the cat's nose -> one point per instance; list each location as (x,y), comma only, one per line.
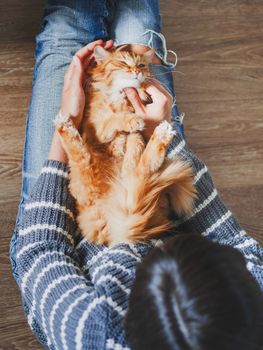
(137,71)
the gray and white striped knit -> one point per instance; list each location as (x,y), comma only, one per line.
(75,295)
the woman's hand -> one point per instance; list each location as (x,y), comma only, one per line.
(73,96)
(156,112)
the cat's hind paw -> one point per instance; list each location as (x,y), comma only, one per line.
(164,132)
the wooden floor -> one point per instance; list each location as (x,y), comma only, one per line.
(219,86)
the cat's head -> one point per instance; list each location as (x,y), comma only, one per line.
(121,68)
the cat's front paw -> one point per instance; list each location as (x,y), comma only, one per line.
(117,148)
(65,123)
(135,124)
(62,120)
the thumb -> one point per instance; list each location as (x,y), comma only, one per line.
(78,71)
(134,98)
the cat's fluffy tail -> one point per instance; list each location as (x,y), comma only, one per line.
(140,210)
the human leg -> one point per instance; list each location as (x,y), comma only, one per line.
(66,26)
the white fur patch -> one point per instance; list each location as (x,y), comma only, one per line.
(61,119)
(65,122)
(164,131)
(119,85)
(124,80)
(123,83)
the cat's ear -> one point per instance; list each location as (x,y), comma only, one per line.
(149,55)
(100,54)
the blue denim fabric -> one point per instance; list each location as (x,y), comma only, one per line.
(68,25)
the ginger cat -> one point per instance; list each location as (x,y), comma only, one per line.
(120,185)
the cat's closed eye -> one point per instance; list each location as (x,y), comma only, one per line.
(141,65)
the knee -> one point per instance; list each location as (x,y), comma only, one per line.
(140,43)
(71,25)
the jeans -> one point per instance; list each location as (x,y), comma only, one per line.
(68,25)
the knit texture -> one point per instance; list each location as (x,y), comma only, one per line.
(75,294)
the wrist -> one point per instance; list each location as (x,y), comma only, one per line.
(57,151)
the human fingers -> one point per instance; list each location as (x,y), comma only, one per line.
(108,44)
(158,93)
(85,54)
(135,100)
(155,87)
(88,49)
(84,51)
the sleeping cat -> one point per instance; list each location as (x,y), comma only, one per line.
(123,188)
